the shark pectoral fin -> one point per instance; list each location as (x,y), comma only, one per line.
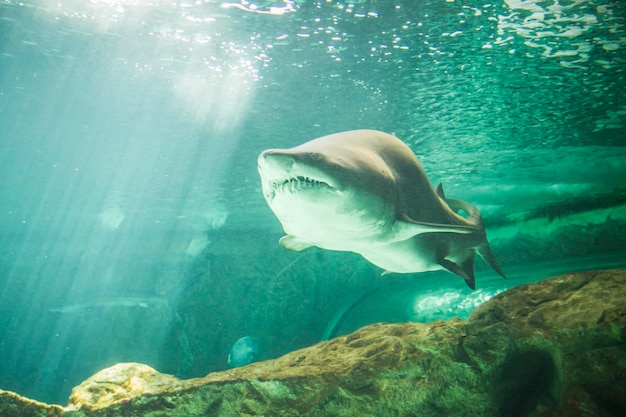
(466,271)
(290,242)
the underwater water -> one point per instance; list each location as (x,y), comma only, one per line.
(132,223)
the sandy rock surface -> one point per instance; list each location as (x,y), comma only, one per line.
(553,348)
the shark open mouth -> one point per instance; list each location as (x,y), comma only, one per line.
(299,183)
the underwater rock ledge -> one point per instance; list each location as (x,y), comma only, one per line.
(552,348)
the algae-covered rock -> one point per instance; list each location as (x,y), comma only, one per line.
(13,405)
(560,342)
(553,348)
(120,383)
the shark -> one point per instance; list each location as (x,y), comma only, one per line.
(113,302)
(365,191)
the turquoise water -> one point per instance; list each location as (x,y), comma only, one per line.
(132,224)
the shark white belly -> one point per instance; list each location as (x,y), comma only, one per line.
(364,191)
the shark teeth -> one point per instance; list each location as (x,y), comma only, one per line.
(298,183)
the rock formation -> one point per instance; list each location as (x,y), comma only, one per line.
(552,348)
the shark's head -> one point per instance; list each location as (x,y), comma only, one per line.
(323,192)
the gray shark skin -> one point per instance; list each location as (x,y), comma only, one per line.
(365,191)
(112,302)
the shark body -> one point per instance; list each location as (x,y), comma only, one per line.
(111,303)
(365,191)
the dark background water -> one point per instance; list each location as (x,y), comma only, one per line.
(132,226)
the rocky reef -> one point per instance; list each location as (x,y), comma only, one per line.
(552,348)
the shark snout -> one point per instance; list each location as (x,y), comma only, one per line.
(276,161)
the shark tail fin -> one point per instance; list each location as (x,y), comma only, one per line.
(484,250)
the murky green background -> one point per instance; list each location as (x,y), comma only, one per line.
(132,225)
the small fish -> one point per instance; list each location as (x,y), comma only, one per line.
(243,352)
